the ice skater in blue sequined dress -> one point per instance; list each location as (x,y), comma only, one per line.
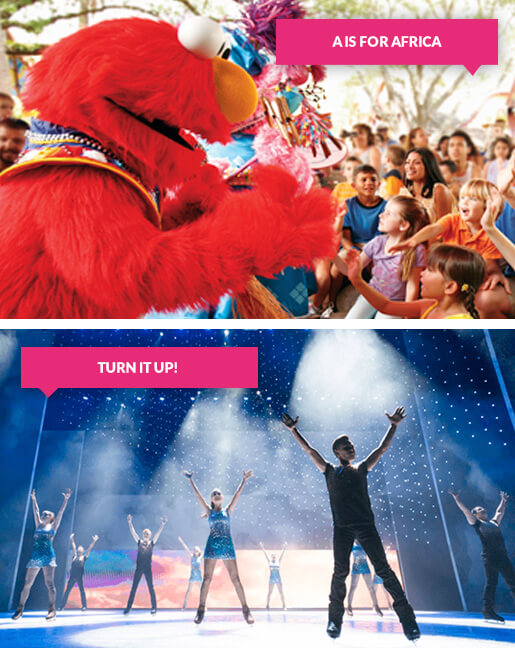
(43,554)
(219,544)
(195,573)
(274,564)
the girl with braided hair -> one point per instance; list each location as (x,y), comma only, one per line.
(449,284)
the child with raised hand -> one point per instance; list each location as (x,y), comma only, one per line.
(464,228)
(449,285)
(395,274)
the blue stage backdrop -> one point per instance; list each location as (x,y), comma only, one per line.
(124,451)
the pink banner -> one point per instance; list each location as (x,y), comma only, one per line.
(471,43)
(49,368)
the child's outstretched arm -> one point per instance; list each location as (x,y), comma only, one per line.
(413,310)
(501,242)
(341,263)
(316,457)
(425,234)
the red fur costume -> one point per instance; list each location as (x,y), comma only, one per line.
(77,241)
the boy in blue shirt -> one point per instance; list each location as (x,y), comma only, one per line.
(360,221)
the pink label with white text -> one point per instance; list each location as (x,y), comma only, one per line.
(49,368)
(471,43)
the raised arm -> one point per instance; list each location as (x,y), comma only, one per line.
(74,548)
(466,512)
(506,180)
(262,546)
(499,513)
(376,454)
(282,552)
(501,242)
(425,234)
(164,520)
(66,496)
(204,504)
(185,546)
(88,550)
(35,508)
(410,309)
(316,457)
(131,528)
(246,475)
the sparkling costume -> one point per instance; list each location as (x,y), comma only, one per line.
(195,574)
(275,576)
(43,553)
(360,564)
(219,543)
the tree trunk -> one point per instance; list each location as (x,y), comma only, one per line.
(5,75)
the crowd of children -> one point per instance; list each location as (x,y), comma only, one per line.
(391,220)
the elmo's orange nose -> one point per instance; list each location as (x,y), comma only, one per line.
(236,92)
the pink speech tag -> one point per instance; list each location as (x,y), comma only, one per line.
(471,43)
(49,368)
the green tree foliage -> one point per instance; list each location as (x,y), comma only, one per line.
(425,96)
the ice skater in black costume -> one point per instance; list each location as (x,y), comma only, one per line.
(77,571)
(144,563)
(353,519)
(494,554)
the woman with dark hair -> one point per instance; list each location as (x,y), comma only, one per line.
(364,147)
(442,147)
(219,544)
(418,138)
(43,554)
(424,181)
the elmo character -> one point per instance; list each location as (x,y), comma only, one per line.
(112,211)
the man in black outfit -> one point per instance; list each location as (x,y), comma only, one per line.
(353,519)
(144,563)
(494,554)
(77,571)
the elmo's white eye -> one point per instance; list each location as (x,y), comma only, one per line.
(204,37)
